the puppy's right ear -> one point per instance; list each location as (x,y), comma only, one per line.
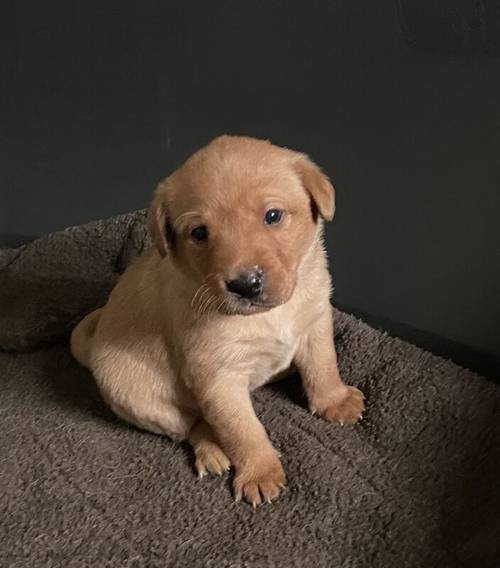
(158,221)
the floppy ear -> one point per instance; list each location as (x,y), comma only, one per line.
(158,222)
(317,184)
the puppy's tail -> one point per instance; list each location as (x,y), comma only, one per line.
(82,336)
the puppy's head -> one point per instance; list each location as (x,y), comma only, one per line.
(238,219)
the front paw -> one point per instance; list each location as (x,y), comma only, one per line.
(260,480)
(345,406)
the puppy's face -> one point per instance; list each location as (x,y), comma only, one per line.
(238,218)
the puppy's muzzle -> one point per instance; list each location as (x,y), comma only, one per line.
(247,285)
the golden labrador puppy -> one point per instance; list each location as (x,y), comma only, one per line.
(236,291)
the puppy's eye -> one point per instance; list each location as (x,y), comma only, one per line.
(199,234)
(273,216)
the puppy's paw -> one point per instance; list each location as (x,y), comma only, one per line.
(210,459)
(346,407)
(260,481)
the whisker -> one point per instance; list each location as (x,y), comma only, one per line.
(202,297)
(203,285)
(211,304)
(202,300)
(206,303)
(195,297)
(221,303)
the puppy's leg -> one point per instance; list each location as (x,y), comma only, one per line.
(209,456)
(316,361)
(139,386)
(82,335)
(227,407)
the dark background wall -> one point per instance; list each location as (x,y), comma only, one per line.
(399,101)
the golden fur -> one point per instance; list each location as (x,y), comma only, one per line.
(174,353)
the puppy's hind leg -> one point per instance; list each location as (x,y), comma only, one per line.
(82,336)
(209,457)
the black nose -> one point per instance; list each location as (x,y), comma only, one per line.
(248,284)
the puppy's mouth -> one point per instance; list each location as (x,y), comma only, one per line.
(243,306)
(253,307)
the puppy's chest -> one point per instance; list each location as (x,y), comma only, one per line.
(268,356)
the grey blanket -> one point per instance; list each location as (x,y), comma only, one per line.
(416,484)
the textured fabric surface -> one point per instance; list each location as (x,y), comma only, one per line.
(49,284)
(413,485)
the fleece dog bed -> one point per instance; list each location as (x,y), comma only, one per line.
(415,484)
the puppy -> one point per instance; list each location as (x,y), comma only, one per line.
(235,292)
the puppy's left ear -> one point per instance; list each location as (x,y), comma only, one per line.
(317,184)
